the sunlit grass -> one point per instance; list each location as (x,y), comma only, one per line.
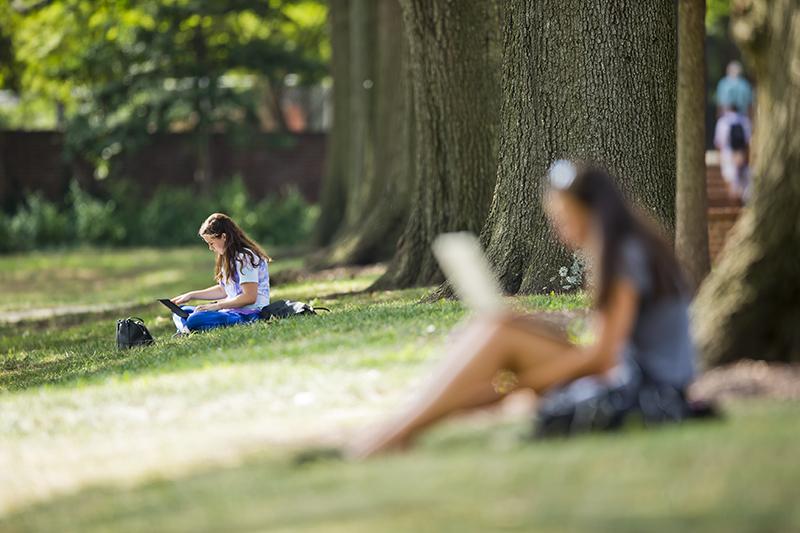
(736,475)
(197,433)
(106,276)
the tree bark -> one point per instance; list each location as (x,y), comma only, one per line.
(582,79)
(334,186)
(455,94)
(378,195)
(691,203)
(748,306)
(203,107)
(363,41)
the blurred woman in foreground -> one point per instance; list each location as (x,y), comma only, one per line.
(641,308)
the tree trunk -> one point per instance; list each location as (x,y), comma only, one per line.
(455,112)
(691,204)
(203,107)
(378,196)
(363,39)
(582,79)
(748,306)
(334,186)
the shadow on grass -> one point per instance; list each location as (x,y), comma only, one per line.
(87,352)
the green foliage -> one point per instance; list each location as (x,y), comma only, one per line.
(6,240)
(95,220)
(170,217)
(39,223)
(126,69)
(717,11)
(284,221)
(8,64)
(234,201)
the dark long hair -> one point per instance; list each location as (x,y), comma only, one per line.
(237,243)
(594,188)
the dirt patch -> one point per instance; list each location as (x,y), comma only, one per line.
(749,379)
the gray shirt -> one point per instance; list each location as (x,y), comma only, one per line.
(660,341)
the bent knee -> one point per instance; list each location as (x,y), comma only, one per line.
(201,320)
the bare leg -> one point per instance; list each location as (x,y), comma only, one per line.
(464,381)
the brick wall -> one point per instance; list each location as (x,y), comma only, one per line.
(31,161)
(35,161)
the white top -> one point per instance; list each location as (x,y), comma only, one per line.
(722,131)
(731,171)
(246,272)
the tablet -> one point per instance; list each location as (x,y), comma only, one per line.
(174,308)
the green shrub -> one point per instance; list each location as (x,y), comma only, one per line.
(128,207)
(6,239)
(283,221)
(234,200)
(38,223)
(96,221)
(172,216)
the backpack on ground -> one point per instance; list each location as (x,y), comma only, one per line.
(287,308)
(737,140)
(132,332)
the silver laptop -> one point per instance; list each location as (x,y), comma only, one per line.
(465,265)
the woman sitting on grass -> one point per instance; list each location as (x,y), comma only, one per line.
(641,313)
(242,276)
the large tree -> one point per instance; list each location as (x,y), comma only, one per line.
(691,204)
(370,154)
(748,307)
(585,79)
(452,57)
(334,185)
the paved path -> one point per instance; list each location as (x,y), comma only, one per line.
(48,313)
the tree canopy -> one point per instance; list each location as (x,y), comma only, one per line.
(122,69)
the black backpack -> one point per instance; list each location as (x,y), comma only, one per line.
(132,332)
(287,308)
(737,140)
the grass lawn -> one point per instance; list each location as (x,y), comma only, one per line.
(198,433)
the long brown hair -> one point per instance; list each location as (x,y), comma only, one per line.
(237,243)
(594,188)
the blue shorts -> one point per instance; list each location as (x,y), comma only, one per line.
(205,320)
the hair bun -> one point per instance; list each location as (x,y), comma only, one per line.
(561,174)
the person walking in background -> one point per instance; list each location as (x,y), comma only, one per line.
(732,139)
(733,90)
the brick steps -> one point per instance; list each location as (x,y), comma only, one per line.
(723,211)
